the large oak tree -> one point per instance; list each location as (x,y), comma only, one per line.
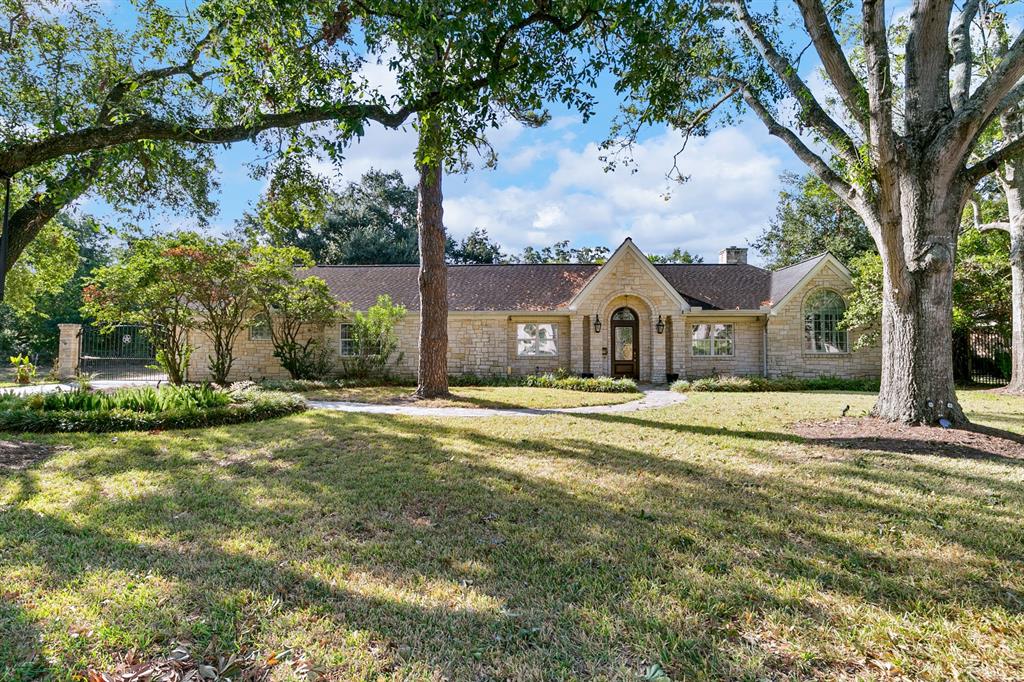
(131,114)
(897,150)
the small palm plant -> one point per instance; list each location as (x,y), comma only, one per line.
(24,370)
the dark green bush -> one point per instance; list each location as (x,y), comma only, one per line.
(139,410)
(734,384)
(562,381)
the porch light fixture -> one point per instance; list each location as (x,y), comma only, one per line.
(597,324)
(660,326)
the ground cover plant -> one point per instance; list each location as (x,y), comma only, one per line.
(142,408)
(734,384)
(704,540)
(502,397)
(559,381)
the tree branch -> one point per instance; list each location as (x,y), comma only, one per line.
(990,99)
(850,89)
(991,163)
(836,183)
(963,57)
(122,87)
(813,112)
(926,65)
(17,157)
(31,217)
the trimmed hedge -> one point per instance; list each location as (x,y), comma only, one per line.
(247,404)
(560,381)
(733,384)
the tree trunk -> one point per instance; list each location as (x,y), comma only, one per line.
(1015,204)
(1012,181)
(917,302)
(433,279)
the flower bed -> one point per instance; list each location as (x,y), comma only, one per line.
(142,409)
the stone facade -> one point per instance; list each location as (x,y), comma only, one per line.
(747,358)
(766,341)
(787,353)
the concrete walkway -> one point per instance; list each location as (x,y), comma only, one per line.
(652,399)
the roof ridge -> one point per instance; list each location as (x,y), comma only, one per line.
(801,262)
(453,265)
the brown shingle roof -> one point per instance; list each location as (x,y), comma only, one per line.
(722,287)
(550,287)
(470,287)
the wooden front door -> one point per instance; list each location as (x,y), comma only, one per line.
(625,343)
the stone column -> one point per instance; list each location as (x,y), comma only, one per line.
(657,351)
(68,350)
(576,344)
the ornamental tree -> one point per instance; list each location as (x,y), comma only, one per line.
(896,141)
(151,285)
(223,293)
(297,307)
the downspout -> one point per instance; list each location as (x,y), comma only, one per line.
(764,349)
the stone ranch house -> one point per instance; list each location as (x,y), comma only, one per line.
(627,317)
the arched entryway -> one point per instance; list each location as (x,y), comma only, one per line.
(625,343)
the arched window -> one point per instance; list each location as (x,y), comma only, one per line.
(823,311)
(623,314)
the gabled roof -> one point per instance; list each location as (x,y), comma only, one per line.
(628,249)
(788,279)
(549,288)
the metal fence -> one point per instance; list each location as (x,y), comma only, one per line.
(983,357)
(124,353)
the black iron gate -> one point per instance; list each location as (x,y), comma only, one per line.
(123,352)
(983,357)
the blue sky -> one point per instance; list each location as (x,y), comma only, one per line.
(550,185)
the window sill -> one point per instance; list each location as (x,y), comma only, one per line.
(825,354)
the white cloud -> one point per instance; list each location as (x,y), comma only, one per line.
(731,194)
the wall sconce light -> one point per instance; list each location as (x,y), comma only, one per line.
(660,326)
(597,324)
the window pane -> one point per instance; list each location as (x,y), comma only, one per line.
(623,314)
(259,330)
(348,344)
(534,338)
(623,343)
(823,314)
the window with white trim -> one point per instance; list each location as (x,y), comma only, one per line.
(347,348)
(259,329)
(537,339)
(823,313)
(712,339)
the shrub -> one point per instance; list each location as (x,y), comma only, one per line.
(24,370)
(142,409)
(734,384)
(587,384)
(568,383)
(373,339)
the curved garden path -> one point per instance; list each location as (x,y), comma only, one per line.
(652,398)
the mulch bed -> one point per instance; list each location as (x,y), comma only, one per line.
(15,455)
(868,433)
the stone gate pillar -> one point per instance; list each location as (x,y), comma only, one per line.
(68,350)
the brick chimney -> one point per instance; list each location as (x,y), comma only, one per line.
(733,255)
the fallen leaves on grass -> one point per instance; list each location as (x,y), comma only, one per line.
(181,666)
(869,433)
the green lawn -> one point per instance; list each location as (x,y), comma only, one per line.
(702,537)
(477,396)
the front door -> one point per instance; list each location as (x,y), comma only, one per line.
(625,343)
